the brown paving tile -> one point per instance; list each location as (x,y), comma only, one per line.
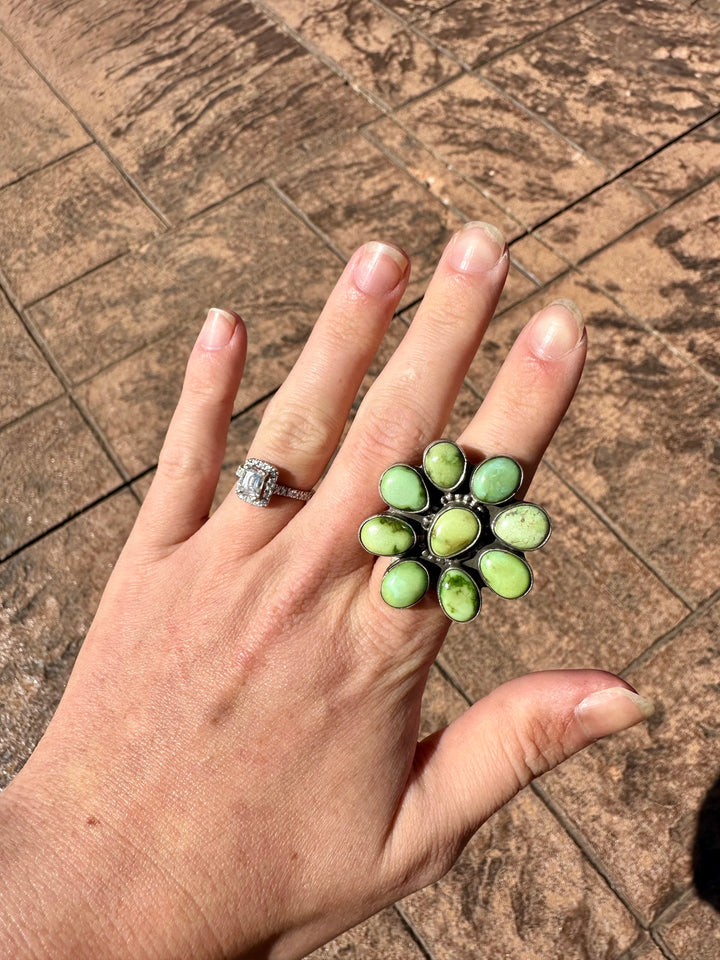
(521,890)
(621,79)
(693,932)
(441,704)
(52,466)
(475,32)
(375,50)
(410,10)
(489,140)
(680,167)
(355,194)
(50,592)
(195,106)
(643,949)
(440,179)
(249,253)
(667,272)
(382,937)
(35,128)
(593,604)
(636,797)
(537,258)
(593,223)
(65,219)
(639,437)
(26,380)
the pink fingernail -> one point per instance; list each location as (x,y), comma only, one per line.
(217,330)
(477,248)
(379,268)
(611,710)
(557,330)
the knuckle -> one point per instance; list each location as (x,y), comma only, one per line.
(532,746)
(393,426)
(305,429)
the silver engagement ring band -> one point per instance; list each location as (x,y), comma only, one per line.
(258,481)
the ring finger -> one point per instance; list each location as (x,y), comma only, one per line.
(303,422)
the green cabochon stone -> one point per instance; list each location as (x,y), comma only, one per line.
(404,583)
(453,531)
(401,487)
(509,576)
(496,479)
(458,595)
(386,536)
(444,463)
(524,526)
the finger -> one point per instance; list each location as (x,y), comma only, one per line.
(410,402)
(532,390)
(467,771)
(303,423)
(182,491)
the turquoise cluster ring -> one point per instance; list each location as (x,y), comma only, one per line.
(455,526)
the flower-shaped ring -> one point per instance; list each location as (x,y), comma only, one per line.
(457,526)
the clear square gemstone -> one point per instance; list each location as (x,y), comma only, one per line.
(252,483)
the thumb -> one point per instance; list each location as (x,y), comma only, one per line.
(468,770)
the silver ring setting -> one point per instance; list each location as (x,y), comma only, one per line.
(258,481)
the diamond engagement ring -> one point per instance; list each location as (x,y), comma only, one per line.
(257,482)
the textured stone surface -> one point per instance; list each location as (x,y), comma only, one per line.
(49,595)
(506,574)
(620,79)
(230,257)
(196,115)
(61,221)
(453,531)
(403,488)
(355,193)
(52,467)
(524,526)
(372,48)
(636,798)
(521,889)
(444,464)
(488,139)
(386,536)
(692,929)
(35,128)
(26,380)
(667,273)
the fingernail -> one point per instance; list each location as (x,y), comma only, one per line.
(557,330)
(612,710)
(217,330)
(477,248)
(379,268)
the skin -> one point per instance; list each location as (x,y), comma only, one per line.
(234,769)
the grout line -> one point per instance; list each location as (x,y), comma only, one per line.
(413,931)
(129,179)
(664,639)
(47,165)
(451,680)
(86,273)
(586,848)
(662,946)
(304,218)
(47,354)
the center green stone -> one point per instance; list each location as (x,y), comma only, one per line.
(453,531)
(402,487)
(496,479)
(444,463)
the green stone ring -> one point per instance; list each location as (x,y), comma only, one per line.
(455,525)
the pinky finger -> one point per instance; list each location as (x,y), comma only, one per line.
(181,495)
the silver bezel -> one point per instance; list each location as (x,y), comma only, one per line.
(270,478)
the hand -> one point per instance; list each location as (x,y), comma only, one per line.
(234,768)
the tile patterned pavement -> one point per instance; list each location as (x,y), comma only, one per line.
(156,159)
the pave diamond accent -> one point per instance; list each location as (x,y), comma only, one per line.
(257,481)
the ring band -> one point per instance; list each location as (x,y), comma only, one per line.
(258,481)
